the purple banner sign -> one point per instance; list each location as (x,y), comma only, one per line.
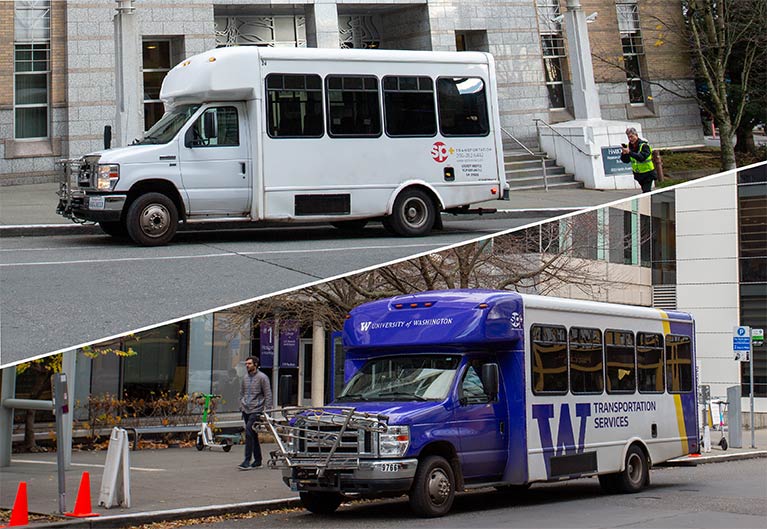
(290,333)
(267,343)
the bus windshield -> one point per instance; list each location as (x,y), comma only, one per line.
(170,123)
(403,378)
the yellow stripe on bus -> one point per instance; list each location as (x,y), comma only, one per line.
(677,397)
(680,422)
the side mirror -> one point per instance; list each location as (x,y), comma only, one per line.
(210,125)
(490,380)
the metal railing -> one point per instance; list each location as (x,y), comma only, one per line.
(541,156)
(555,131)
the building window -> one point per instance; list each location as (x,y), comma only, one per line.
(32,45)
(633,50)
(156,63)
(752,243)
(553,50)
(663,244)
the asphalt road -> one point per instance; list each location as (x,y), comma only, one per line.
(721,495)
(60,292)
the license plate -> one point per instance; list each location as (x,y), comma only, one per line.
(390,467)
(96,203)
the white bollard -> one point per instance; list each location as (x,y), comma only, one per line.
(706,439)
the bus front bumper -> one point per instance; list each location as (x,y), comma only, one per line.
(369,478)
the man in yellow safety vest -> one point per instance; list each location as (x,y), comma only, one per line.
(639,153)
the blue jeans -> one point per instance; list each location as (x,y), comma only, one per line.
(252,447)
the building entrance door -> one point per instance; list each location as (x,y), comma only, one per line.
(305,373)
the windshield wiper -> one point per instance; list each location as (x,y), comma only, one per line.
(401,394)
(359,396)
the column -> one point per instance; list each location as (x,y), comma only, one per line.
(585,95)
(322,24)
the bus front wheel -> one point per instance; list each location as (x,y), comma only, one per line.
(413,214)
(152,220)
(433,488)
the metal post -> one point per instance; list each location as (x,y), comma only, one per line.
(68,368)
(276,362)
(6,415)
(751,386)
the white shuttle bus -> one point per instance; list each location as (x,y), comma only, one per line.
(302,135)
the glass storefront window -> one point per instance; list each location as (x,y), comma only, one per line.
(231,346)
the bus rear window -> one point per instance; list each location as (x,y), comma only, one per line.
(678,364)
(549,359)
(462,106)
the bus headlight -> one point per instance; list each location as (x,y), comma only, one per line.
(107,177)
(394,442)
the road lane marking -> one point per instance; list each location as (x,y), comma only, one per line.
(221,254)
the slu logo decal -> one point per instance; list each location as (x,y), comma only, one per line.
(515,320)
(543,413)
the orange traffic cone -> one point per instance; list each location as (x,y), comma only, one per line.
(20,512)
(83,503)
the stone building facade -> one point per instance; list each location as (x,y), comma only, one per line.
(76,90)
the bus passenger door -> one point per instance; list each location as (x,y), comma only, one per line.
(483,426)
(215,162)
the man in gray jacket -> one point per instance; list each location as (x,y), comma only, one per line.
(255,396)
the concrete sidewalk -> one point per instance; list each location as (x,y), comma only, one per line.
(176,483)
(30,210)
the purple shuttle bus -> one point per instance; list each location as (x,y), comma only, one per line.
(452,390)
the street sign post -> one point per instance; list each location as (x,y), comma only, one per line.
(742,346)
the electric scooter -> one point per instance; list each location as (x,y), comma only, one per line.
(205,438)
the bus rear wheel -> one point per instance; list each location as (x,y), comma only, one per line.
(413,214)
(321,502)
(433,488)
(634,477)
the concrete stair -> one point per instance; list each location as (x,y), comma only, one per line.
(524,172)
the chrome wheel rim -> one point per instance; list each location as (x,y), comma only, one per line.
(155,220)
(634,468)
(415,212)
(439,486)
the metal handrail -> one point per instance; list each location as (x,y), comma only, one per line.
(541,156)
(555,131)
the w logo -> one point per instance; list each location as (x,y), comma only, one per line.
(365,326)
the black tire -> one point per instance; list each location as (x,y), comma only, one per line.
(350,226)
(199,444)
(152,220)
(723,443)
(636,471)
(413,214)
(321,502)
(433,489)
(116,229)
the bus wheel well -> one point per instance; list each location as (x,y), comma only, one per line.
(428,191)
(644,450)
(447,451)
(156,186)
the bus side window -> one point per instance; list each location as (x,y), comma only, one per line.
(650,362)
(462,106)
(678,364)
(548,351)
(586,361)
(409,106)
(472,388)
(353,106)
(619,362)
(294,106)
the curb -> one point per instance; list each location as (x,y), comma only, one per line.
(688,461)
(186,513)
(42,230)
